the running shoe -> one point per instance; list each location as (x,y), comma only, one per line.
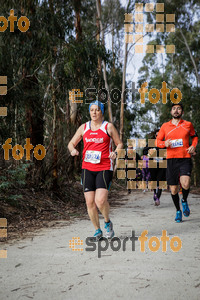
(157,202)
(186,210)
(98,234)
(178,218)
(109,230)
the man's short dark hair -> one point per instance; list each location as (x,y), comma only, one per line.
(180,104)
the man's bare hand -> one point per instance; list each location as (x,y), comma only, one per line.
(168,143)
(191,150)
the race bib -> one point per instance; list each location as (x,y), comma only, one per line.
(157,159)
(176,143)
(94,157)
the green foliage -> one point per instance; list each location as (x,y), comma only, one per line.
(12,182)
(14,178)
(5,185)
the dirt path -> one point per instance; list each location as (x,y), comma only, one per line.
(44,267)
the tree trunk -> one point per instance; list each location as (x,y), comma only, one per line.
(123,86)
(55,143)
(104,65)
(78,29)
(98,42)
(77,6)
(113,50)
(123,94)
(191,57)
(34,122)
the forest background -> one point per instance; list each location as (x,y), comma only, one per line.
(66,48)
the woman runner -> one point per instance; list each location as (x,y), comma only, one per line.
(97,164)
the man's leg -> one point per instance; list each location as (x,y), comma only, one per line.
(175,196)
(172,175)
(92,208)
(185,182)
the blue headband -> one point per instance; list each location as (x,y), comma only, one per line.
(99,104)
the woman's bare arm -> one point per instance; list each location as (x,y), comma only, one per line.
(112,131)
(75,140)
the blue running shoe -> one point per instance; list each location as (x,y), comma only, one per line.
(109,230)
(98,234)
(178,218)
(186,210)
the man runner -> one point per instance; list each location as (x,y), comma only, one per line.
(174,135)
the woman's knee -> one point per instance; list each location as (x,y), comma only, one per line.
(101,201)
(90,203)
(90,200)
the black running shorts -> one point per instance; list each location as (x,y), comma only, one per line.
(96,180)
(158,174)
(178,167)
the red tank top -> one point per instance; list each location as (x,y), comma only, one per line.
(97,148)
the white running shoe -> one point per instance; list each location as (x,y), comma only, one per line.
(109,230)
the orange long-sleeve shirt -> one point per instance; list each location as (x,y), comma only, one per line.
(179,134)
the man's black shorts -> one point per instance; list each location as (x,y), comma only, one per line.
(96,180)
(177,167)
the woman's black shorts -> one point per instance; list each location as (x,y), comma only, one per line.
(96,180)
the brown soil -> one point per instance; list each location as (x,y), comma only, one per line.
(38,209)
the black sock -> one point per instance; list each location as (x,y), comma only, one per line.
(175,199)
(185,194)
(159,192)
(107,222)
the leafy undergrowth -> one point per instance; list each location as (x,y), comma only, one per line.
(27,209)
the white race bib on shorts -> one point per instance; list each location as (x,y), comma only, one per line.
(176,143)
(93,157)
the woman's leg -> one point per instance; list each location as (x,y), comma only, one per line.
(88,182)
(101,200)
(92,208)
